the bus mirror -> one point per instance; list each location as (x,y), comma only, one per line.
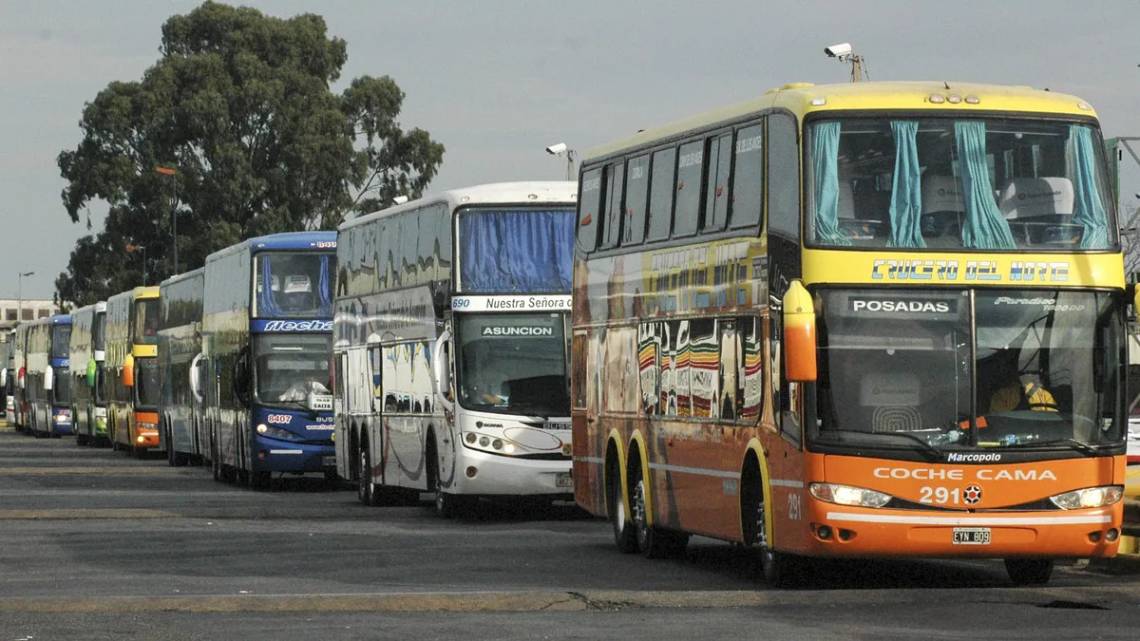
(1135,301)
(799,334)
(241,377)
(3,378)
(195,380)
(92,373)
(441,368)
(49,378)
(129,371)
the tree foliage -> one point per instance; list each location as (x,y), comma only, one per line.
(240,104)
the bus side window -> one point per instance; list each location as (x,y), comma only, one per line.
(636,200)
(716,182)
(649,366)
(589,209)
(690,171)
(375,377)
(615,186)
(579,347)
(783,177)
(747,177)
(663,173)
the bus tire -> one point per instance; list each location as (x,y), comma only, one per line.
(625,536)
(260,480)
(778,568)
(654,542)
(1029,571)
(365,487)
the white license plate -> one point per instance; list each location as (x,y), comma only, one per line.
(328,461)
(564,480)
(971,536)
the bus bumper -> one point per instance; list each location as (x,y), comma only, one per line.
(840,531)
(484,474)
(273,455)
(61,424)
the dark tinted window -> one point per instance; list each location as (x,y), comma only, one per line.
(615,182)
(748,176)
(636,199)
(690,165)
(590,199)
(783,173)
(661,193)
(716,182)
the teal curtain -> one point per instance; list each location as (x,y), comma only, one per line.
(825,169)
(985,228)
(1088,210)
(906,191)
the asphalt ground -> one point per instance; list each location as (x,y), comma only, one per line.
(96,545)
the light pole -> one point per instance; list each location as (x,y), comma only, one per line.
(20,295)
(171,171)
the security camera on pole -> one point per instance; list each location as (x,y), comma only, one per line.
(560,148)
(844,52)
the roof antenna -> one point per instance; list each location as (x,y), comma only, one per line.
(946,84)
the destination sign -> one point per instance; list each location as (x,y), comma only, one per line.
(544,303)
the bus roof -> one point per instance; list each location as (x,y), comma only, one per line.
(150,291)
(283,241)
(183,276)
(802,98)
(512,193)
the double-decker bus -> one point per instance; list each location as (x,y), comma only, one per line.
(450,346)
(866,320)
(180,358)
(19,371)
(266,332)
(132,382)
(47,378)
(88,403)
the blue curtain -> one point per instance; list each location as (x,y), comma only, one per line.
(1088,210)
(326,288)
(516,251)
(906,191)
(985,228)
(267,302)
(825,169)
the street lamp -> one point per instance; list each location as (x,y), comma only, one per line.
(170,171)
(560,148)
(20,295)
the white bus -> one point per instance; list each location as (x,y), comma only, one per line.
(451,347)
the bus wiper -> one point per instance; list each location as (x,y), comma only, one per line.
(925,445)
(1080,446)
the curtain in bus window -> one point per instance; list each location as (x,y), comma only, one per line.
(516,251)
(825,163)
(985,228)
(267,299)
(906,191)
(1089,210)
(326,289)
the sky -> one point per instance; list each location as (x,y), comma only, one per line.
(497,81)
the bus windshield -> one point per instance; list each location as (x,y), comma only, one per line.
(513,364)
(147,388)
(944,183)
(294,285)
(146,322)
(98,330)
(289,366)
(60,341)
(902,366)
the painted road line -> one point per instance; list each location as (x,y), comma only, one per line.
(536,601)
(84,513)
(85,471)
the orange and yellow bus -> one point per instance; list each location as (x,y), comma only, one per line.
(865,320)
(133,383)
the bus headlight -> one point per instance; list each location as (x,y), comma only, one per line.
(848,495)
(276,432)
(1088,497)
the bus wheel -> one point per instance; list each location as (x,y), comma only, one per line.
(1029,571)
(365,487)
(625,537)
(778,568)
(654,542)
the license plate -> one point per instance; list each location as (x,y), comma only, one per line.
(563,479)
(328,461)
(971,536)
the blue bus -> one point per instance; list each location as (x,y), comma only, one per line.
(266,343)
(47,376)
